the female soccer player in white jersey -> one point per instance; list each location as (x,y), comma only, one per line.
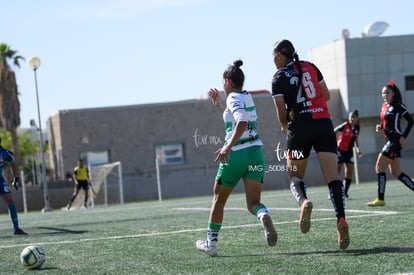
(241,157)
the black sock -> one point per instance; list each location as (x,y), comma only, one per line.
(298,189)
(347,184)
(382,180)
(406,180)
(337,194)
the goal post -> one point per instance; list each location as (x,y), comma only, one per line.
(103,177)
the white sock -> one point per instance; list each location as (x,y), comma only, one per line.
(212,237)
(261,213)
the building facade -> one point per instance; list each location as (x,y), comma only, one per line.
(183,136)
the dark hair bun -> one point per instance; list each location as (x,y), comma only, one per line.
(238,63)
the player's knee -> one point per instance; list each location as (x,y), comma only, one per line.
(396,173)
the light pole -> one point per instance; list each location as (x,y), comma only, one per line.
(34,64)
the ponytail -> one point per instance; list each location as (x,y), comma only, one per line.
(299,67)
(294,112)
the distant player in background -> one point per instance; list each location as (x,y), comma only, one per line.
(81,178)
(299,94)
(347,138)
(392,110)
(239,158)
(6,156)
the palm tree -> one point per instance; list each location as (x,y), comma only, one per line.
(9,100)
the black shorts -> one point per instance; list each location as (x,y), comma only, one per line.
(84,184)
(307,134)
(345,156)
(392,149)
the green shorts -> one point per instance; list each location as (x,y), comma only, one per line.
(244,163)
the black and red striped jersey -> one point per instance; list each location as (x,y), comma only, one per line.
(346,136)
(308,102)
(391,119)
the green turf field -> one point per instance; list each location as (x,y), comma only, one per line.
(159,237)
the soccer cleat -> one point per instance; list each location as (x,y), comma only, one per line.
(376,202)
(305,216)
(343,234)
(19,232)
(203,247)
(269,230)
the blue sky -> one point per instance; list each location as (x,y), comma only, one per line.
(98,53)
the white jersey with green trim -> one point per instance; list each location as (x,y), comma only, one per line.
(240,107)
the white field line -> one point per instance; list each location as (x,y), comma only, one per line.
(362,213)
(374,212)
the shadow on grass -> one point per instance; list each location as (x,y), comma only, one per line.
(56,230)
(50,231)
(379,250)
(355,252)
(241,256)
(350,252)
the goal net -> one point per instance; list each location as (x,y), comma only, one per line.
(106,186)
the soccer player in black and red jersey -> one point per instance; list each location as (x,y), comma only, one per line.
(300,93)
(347,138)
(391,112)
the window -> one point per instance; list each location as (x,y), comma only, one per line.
(170,154)
(409,82)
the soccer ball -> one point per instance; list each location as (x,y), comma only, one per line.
(33,257)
